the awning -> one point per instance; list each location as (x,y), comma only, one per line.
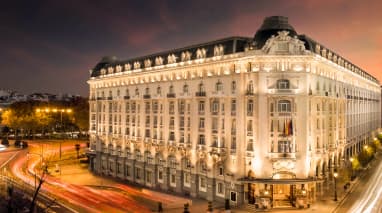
(280,181)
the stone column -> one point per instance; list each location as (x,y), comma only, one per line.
(179,181)
(194,185)
(210,188)
(166,175)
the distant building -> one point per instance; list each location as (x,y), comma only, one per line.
(7,97)
(238,118)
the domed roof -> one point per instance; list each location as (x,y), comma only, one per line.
(108,59)
(271,26)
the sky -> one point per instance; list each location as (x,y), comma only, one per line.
(50,46)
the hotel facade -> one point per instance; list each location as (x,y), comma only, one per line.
(264,119)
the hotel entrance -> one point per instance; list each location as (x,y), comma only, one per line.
(283,195)
(292,193)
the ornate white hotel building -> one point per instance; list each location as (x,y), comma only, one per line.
(263,119)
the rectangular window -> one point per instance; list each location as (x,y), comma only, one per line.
(233,107)
(202,140)
(187,181)
(160,175)
(202,184)
(284,106)
(171,107)
(233,196)
(127,171)
(284,147)
(215,125)
(250,108)
(172,122)
(201,123)
(201,107)
(181,107)
(233,142)
(220,189)
(148,176)
(215,107)
(138,173)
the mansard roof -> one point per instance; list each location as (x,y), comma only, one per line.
(270,28)
(230,44)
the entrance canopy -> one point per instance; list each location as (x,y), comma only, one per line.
(279,181)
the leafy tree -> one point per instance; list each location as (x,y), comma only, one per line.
(23,116)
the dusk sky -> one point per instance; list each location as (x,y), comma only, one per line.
(49,46)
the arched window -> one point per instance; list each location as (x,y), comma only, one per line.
(250,87)
(250,145)
(158,90)
(147,91)
(201,87)
(118,93)
(137,91)
(233,86)
(219,86)
(283,84)
(185,88)
(127,92)
(284,106)
(171,89)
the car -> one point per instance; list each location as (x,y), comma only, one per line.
(2,147)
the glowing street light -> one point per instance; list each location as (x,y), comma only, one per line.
(335,185)
(351,167)
(55,110)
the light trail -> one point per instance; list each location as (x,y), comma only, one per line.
(371,200)
(84,197)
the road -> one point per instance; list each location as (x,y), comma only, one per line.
(82,198)
(367,195)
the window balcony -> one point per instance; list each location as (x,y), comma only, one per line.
(109,98)
(217,94)
(171,95)
(185,94)
(200,94)
(249,93)
(283,155)
(126,97)
(250,153)
(146,96)
(282,91)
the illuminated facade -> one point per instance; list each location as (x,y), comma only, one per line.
(252,120)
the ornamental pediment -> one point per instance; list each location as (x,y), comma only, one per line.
(284,44)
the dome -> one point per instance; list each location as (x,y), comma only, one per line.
(271,26)
(108,59)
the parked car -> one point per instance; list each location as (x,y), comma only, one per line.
(21,144)
(5,142)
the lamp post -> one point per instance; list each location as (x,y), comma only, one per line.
(41,162)
(61,111)
(335,185)
(351,167)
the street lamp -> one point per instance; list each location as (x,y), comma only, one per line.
(351,167)
(335,185)
(41,162)
(55,110)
